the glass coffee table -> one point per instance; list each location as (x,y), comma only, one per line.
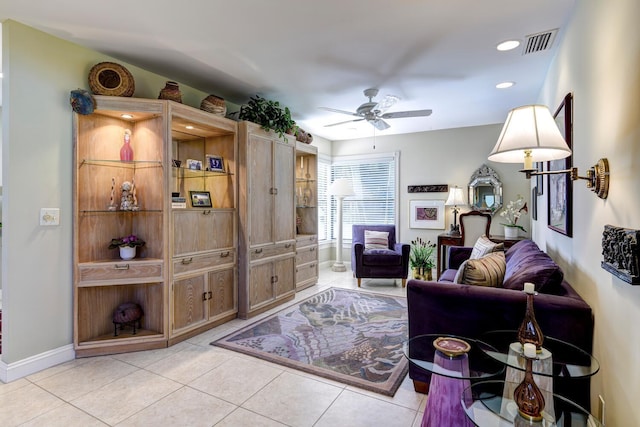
(485,405)
(452,374)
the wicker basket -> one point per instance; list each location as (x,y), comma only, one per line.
(109,78)
(214,104)
(171,91)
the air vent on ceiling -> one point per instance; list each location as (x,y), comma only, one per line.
(539,42)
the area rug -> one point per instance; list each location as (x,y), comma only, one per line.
(353,337)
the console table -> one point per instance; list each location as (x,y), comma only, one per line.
(446,239)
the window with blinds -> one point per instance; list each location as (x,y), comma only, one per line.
(375,183)
(324,208)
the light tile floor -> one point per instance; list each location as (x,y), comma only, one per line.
(195,384)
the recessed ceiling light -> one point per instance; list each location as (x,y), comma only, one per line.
(508,45)
(126,116)
(504,85)
(189,126)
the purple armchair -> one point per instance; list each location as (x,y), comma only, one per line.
(389,263)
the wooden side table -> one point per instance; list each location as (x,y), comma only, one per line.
(507,242)
(444,240)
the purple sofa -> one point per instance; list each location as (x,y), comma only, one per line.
(389,263)
(445,307)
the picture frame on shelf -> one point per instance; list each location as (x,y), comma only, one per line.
(560,186)
(194,164)
(200,199)
(426,214)
(215,163)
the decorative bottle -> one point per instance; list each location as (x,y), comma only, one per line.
(126,152)
(527,395)
(529,331)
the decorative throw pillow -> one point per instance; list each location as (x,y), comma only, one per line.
(376,239)
(484,246)
(486,271)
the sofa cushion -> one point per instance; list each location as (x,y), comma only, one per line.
(486,271)
(484,246)
(527,263)
(376,239)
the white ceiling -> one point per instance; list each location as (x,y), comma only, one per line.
(433,54)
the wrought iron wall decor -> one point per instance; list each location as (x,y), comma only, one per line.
(441,188)
(620,252)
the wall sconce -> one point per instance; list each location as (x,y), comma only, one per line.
(455,199)
(530,133)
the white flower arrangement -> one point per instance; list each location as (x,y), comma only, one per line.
(513,211)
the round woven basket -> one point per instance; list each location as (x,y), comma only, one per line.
(214,104)
(109,78)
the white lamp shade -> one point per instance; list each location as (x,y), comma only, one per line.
(533,128)
(341,187)
(456,197)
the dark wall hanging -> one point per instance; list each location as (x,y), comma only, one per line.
(620,253)
(441,188)
(560,186)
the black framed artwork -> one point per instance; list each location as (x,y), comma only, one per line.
(560,186)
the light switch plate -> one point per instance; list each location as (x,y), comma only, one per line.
(49,216)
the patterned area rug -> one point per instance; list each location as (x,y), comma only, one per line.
(349,336)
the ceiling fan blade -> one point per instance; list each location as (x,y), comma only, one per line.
(403,114)
(339,111)
(388,102)
(341,123)
(380,124)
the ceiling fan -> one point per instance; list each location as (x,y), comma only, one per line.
(374,112)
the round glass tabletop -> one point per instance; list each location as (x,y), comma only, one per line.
(491,404)
(421,352)
(568,361)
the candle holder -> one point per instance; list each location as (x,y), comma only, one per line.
(529,331)
(527,395)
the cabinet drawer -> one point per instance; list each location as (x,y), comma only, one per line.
(306,272)
(197,262)
(268,251)
(122,271)
(306,254)
(306,240)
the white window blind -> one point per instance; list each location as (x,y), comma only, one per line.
(324,208)
(375,183)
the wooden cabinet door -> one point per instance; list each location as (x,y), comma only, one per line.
(223,295)
(202,230)
(285,272)
(260,284)
(188,302)
(284,181)
(260,169)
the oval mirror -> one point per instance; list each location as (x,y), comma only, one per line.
(485,190)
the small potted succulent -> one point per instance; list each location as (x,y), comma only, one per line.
(422,259)
(127,245)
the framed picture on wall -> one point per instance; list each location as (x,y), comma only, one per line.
(539,166)
(426,214)
(560,186)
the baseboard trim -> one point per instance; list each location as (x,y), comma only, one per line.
(31,365)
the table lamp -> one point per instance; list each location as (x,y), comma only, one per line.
(455,199)
(340,188)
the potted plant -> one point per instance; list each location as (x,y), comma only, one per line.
(511,213)
(127,245)
(269,115)
(421,258)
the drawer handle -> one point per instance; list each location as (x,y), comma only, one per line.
(273,191)
(225,254)
(287,245)
(187,261)
(206,212)
(258,251)
(209,295)
(312,265)
(204,296)
(313,249)
(122,266)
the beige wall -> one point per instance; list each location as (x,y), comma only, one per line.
(598,61)
(39,72)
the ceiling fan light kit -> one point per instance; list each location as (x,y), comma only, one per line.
(374,112)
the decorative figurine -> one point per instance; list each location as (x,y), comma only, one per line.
(126,197)
(134,189)
(112,206)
